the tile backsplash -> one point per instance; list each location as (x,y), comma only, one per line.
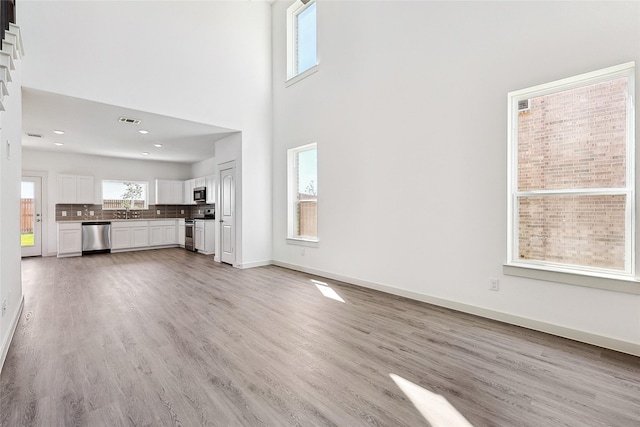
(82,212)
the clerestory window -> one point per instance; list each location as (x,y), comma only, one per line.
(302,52)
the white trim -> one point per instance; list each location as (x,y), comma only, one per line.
(293,11)
(301,76)
(536,325)
(44,208)
(310,243)
(292,190)
(12,330)
(606,74)
(253,264)
(610,282)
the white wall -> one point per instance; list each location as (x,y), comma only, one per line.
(10,169)
(54,164)
(208,62)
(409,110)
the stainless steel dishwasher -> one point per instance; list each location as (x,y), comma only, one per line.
(96,237)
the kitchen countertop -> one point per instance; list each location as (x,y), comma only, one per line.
(117,220)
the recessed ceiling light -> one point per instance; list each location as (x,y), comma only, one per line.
(58,132)
(59,144)
(144,132)
(145,153)
(157,145)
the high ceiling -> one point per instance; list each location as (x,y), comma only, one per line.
(94,128)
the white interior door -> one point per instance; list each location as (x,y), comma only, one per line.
(227,214)
(31,216)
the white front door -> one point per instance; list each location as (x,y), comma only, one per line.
(227,214)
(31,216)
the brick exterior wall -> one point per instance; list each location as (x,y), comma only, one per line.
(575,139)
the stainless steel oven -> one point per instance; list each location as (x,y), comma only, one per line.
(189,238)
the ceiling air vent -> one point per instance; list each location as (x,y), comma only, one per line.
(523,105)
(129,120)
(34,135)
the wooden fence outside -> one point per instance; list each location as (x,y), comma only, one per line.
(26,216)
(308,218)
(119,204)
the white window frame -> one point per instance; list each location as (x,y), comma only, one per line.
(146,193)
(293,11)
(292,196)
(565,272)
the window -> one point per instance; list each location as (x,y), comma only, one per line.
(303,192)
(124,195)
(302,56)
(571,175)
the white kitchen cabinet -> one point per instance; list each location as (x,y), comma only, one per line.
(129,234)
(199,235)
(69,239)
(155,235)
(181,232)
(189,185)
(204,236)
(199,182)
(162,233)
(137,235)
(211,188)
(120,238)
(140,236)
(169,192)
(76,189)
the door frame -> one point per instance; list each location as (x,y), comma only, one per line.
(44,208)
(221,167)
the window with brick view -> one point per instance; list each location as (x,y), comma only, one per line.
(572,193)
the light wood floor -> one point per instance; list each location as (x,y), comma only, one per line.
(169,338)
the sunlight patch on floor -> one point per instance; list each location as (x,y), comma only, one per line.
(327,291)
(435,408)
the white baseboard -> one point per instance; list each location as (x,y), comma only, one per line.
(12,329)
(254,264)
(561,331)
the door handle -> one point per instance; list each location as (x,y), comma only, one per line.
(221,220)
(38,220)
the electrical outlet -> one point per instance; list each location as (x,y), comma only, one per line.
(494,284)
(79,213)
(181,211)
(91,213)
(64,213)
(4,306)
(158,212)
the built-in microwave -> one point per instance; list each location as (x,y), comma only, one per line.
(200,194)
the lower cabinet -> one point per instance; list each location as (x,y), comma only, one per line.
(129,234)
(162,233)
(205,236)
(120,237)
(132,235)
(181,232)
(125,236)
(139,236)
(69,239)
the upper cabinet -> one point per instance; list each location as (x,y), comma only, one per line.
(169,192)
(76,189)
(208,181)
(189,185)
(199,182)
(211,188)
